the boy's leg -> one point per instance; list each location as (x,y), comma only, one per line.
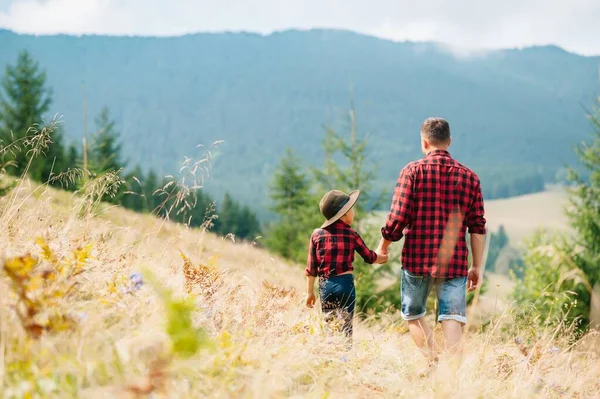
(329,290)
(452,299)
(348,303)
(338,298)
(415,290)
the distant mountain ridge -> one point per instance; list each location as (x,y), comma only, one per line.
(511,111)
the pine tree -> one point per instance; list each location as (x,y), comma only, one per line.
(561,274)
(134,196)
(351,151)
(584,215)
(498,241)
(105,149)
(248,224)
(23,103)
(228,216)
(346,169)
(292,204)
(151,184)
(73,157)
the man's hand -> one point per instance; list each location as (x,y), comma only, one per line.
(310,300)
(382,248)
(473,278)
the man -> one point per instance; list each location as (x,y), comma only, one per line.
(435,201)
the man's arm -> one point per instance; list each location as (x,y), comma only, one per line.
(477,247)
(401,212)
(476,224)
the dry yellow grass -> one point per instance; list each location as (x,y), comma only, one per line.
(264,343)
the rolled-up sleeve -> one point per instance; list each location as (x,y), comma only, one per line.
(475,215)
(311,262)
(401,212)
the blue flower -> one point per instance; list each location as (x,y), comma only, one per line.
(136,281)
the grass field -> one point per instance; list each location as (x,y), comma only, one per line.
(256,340)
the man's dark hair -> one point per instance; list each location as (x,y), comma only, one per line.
(436,130)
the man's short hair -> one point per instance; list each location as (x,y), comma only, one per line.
(436,130)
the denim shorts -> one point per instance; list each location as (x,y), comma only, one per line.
(451,294)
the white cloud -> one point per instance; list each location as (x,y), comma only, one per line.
(465,25)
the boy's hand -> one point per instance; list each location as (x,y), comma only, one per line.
(310,300)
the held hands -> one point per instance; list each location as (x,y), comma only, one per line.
(383,253)
(382,258)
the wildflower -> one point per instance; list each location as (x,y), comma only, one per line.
(136,281)
(80,316)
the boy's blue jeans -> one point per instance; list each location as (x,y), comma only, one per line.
(338,297)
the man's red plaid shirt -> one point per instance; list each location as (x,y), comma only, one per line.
(331,250)
(435,201)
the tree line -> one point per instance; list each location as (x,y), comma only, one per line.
(25,98)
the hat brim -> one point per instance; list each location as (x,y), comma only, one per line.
(353,198)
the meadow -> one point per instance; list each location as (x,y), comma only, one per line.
(156,309)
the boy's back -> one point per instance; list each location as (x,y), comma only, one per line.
(331,250)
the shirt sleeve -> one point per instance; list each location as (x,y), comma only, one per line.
(475,219)
(311,263)
(369,256)
(401,213)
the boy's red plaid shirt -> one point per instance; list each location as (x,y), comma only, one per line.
(331,250)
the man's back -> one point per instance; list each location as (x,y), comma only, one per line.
(435,201)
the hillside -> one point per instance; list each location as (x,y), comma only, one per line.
(512,112)
(523,215)
(260,341)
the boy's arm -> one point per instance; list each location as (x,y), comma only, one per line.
(311,272)
(401,212)
(310,291)
(311,261)
(310,285)
(369,256)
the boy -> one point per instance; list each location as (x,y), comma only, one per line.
(330,257)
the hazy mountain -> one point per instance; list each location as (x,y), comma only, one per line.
(512,112)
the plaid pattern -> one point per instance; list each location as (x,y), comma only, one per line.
(436,199)
(331,250)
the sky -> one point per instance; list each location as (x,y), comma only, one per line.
(464,25)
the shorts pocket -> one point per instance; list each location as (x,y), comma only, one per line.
(458,282)
(411,282)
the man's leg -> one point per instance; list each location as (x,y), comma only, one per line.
(453,335)
(414,292)
(452,301)
(423,337)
